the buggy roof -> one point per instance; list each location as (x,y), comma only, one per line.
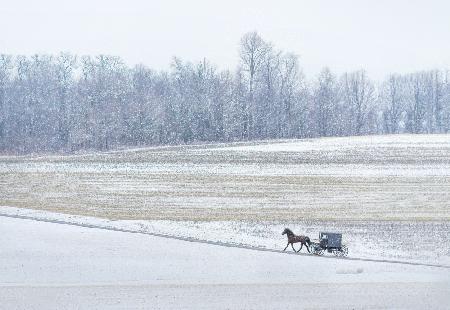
(329,233)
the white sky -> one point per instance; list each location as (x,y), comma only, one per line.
(381,36)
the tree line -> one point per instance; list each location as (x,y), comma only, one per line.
(66,103)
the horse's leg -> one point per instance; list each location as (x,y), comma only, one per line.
(292,244)
(301,246)
(286,247)
(307,247)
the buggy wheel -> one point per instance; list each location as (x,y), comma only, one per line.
(317,250)
(343,252)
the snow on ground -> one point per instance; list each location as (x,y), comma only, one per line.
(410,242)
(393,178)
(56,266)
(339,143)
(388,195)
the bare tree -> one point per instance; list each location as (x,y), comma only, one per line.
(446,102)
(253,50)
(66,63)
(393,95)
(359,96)
(438,100)
(291,80)
(325,103)
(416,108)
(5,79)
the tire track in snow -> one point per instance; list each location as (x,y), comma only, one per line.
(218,243)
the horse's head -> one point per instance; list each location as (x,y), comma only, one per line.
(287,231)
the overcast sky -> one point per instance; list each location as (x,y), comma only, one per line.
(380,36)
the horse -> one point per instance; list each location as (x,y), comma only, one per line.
(292,238)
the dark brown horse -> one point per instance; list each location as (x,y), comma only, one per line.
(292,238)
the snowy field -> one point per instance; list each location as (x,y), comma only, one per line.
(56,266)
(397,178)
(420,242)
(388,195)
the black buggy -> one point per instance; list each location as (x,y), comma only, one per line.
(331,242)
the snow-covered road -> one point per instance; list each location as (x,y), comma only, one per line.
(56,266)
